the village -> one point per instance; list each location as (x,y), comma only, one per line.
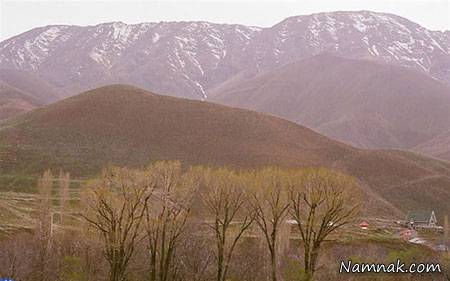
(418,227)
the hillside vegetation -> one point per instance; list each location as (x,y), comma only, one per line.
(124,125)
(127,126)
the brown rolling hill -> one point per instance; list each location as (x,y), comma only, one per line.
(127,126)
(362,103)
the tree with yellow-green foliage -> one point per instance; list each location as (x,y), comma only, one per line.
(43,230)
(166,217)
(322,202)
(270,203)
(64,195)
(154,207)
(115,207)
(226,198)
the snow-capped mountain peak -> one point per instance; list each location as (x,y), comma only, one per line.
(190,58)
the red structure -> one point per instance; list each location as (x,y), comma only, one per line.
(406,234)
(364,225)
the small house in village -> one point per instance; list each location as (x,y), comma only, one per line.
(421,219)
(364,225)
(407,234)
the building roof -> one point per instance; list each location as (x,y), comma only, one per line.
(405,232)
(419,216)
(364,223)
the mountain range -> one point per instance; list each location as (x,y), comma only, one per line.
(371,80)
(363,103)
(188,59)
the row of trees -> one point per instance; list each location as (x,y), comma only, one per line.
(168,222)
(164,206)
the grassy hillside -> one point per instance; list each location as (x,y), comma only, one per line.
(126,126)
(404,179)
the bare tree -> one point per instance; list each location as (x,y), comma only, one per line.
(195,255)
(228,217)
(321,203)
(115,208)
(17,257)
(270,203)
(43,230)
(166,217)
(64,195)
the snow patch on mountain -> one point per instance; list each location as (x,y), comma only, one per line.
(155,38)
(198,55)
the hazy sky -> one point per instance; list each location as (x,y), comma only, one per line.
(17,16)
